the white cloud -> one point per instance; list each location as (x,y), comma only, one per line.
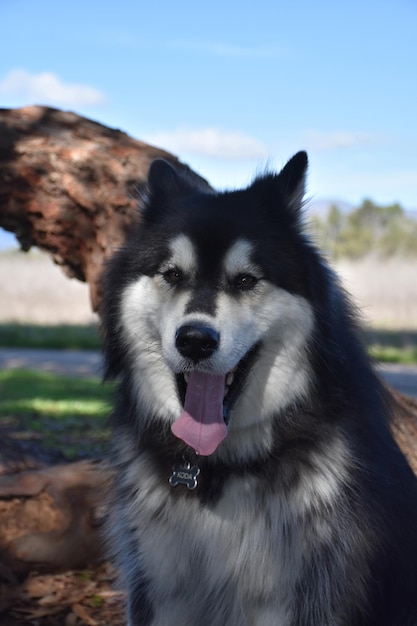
(47,88)
(323,142)
(211,142)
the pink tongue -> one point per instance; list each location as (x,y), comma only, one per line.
(201,424)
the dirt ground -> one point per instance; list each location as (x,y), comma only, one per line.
(74,598)
(89,596)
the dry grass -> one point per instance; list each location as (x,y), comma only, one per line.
(385,291)
(34,290)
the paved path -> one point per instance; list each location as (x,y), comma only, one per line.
(89,363)
(401,377)
(68,362)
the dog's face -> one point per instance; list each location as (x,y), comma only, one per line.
(214,315)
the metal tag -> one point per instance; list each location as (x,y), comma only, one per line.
(184,474)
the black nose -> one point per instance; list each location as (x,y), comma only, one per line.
(196,342)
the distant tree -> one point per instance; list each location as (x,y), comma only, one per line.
(326,230)
(334,222)
(369,229)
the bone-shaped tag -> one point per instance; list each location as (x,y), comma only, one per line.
(184,475)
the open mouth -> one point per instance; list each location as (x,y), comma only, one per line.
(234,382)
(208,400)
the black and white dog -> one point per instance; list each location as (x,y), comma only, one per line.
(257,482)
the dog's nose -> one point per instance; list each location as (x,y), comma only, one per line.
(196,342)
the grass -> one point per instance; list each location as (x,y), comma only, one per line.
(393,355)
(384,292)
(392,346)
(61,336)
(68,414)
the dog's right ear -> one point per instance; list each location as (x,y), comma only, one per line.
(167,183)
(167,180)
(163,179)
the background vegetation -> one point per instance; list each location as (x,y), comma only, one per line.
(382,231)
(50,336)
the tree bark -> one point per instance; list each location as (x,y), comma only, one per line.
(51,518)
(70,186)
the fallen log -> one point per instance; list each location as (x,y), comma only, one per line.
(405,425)
(71,186)
(51,518)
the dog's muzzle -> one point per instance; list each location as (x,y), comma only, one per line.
(207,397)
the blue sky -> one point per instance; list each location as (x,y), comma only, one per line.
(232,86)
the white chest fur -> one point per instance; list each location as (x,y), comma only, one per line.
(236,560)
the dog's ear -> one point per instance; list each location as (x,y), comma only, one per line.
(165,185)
(286,189)
(168,183)
(167,179)
(163,179)
(292,180)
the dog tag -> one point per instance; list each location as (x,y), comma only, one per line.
(185,474)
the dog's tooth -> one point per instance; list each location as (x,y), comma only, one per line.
(186,376)
(230,377)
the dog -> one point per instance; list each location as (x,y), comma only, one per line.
(257,482)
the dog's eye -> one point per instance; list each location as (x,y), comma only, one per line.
(244,282)
(172,276)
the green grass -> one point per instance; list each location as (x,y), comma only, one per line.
(390,354)
(392,346)
(65,413)
(63,336)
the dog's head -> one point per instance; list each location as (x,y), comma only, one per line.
(208,305)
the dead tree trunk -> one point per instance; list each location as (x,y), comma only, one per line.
(70,186)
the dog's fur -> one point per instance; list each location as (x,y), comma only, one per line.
(306,513)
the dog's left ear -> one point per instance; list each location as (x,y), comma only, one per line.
(292,180)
